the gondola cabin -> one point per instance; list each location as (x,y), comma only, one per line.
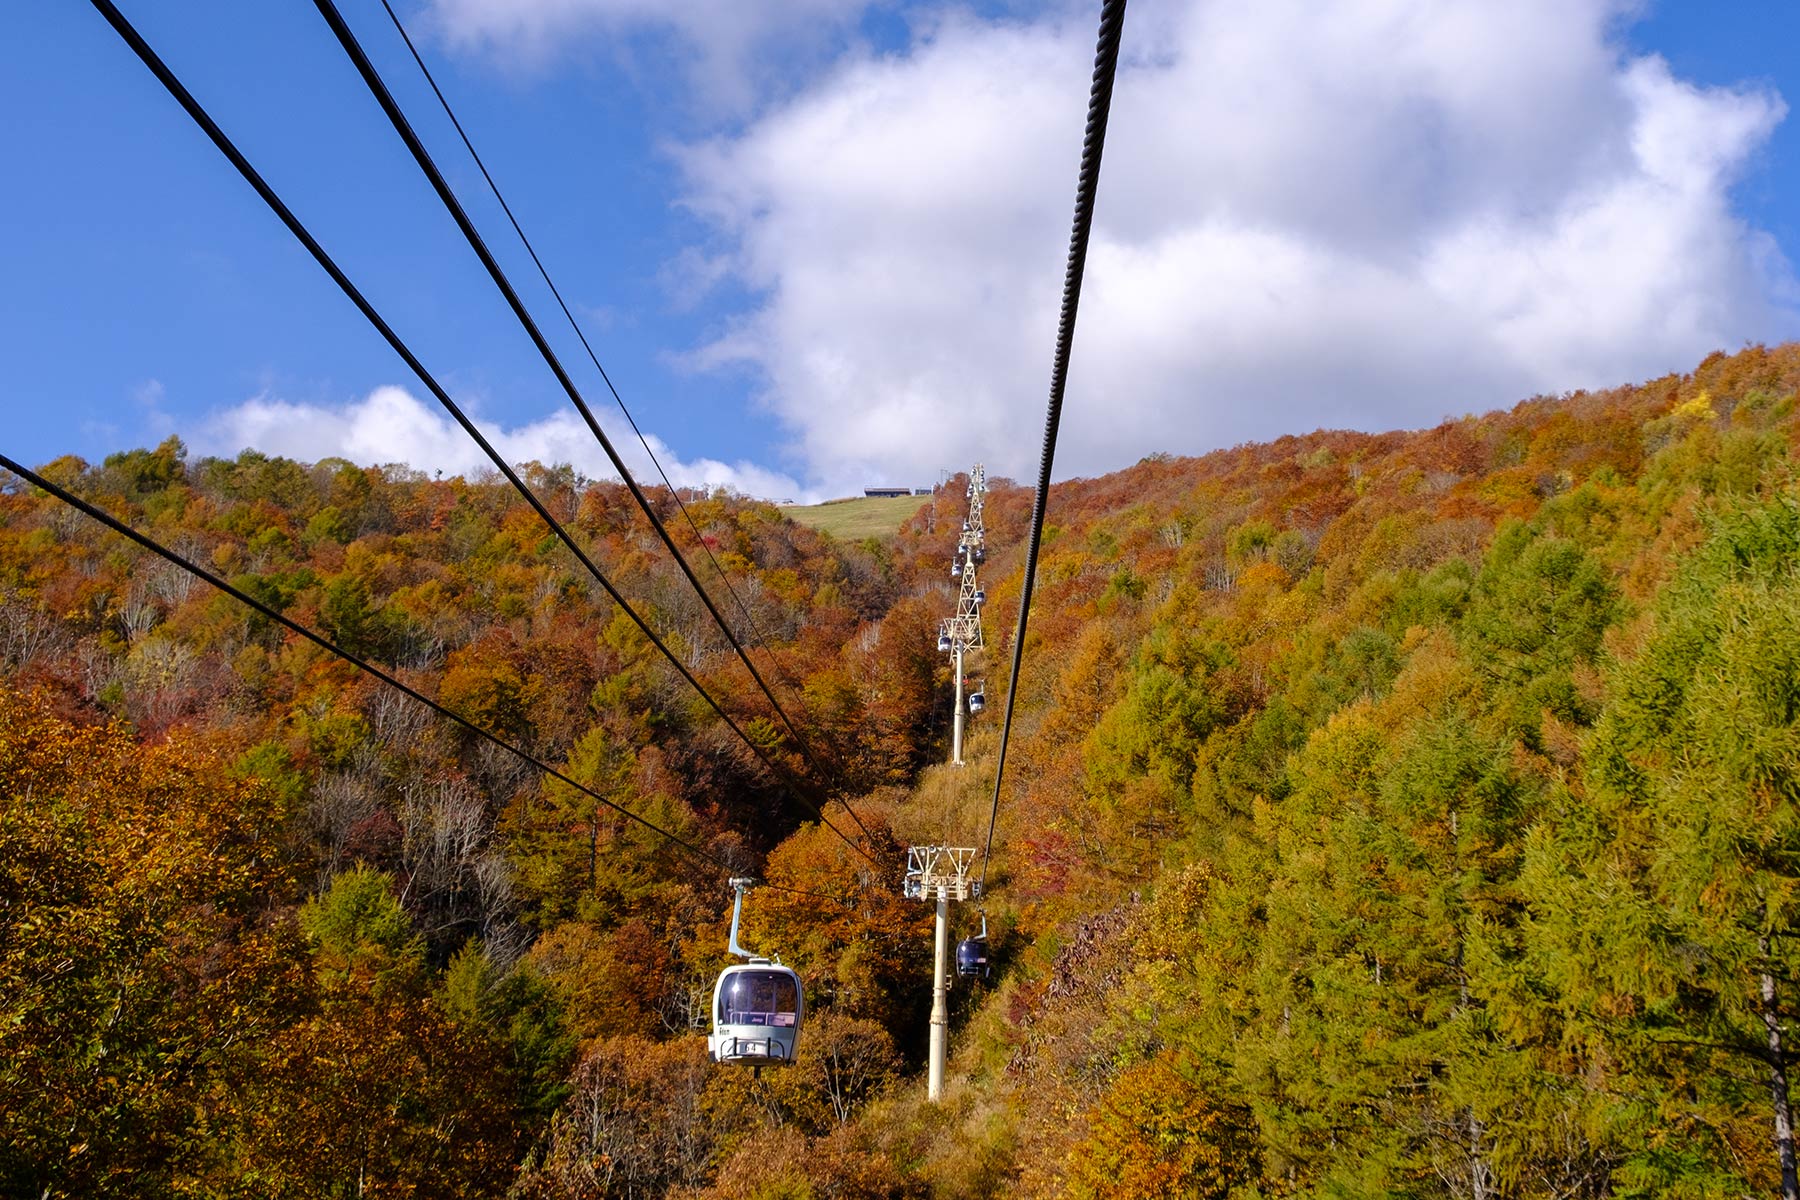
(757,1010)
(977,702)
(972,958)
(972,954)
(943,643)
(758,1006)
(956,568)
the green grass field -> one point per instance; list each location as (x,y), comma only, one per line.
(854,520)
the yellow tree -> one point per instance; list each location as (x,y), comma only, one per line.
(142,964)
(1156,1133)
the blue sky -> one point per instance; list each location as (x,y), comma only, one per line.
(819,244)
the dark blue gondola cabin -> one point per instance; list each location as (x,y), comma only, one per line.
(972,958)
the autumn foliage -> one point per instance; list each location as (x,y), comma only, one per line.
(1385,814)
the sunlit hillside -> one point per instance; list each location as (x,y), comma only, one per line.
(1385,814)
(855,519)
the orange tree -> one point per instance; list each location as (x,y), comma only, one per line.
(859,945)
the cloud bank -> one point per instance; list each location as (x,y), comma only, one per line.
(392,425)
(1368,215)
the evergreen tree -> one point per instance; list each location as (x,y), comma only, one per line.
(1670,888)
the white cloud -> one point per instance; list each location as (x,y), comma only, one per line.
(729,50)
(150,399)
(1367,215)
(392,425)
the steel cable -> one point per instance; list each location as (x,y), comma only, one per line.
(378,88)
(1106,62)
(575,326)
(201,117)
(157,548)
(111,522)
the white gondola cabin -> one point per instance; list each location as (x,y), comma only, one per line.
(758,1006)
(757,1009)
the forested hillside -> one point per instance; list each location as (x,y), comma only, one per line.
(1404,814)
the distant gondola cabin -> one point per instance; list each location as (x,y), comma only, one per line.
(972,958)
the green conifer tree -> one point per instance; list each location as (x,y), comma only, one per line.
(1667,892)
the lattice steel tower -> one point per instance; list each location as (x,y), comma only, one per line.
(962,631)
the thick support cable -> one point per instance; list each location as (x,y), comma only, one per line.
(379,89)
(173,85)
(575,326)
(1106,62)
(163,552)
